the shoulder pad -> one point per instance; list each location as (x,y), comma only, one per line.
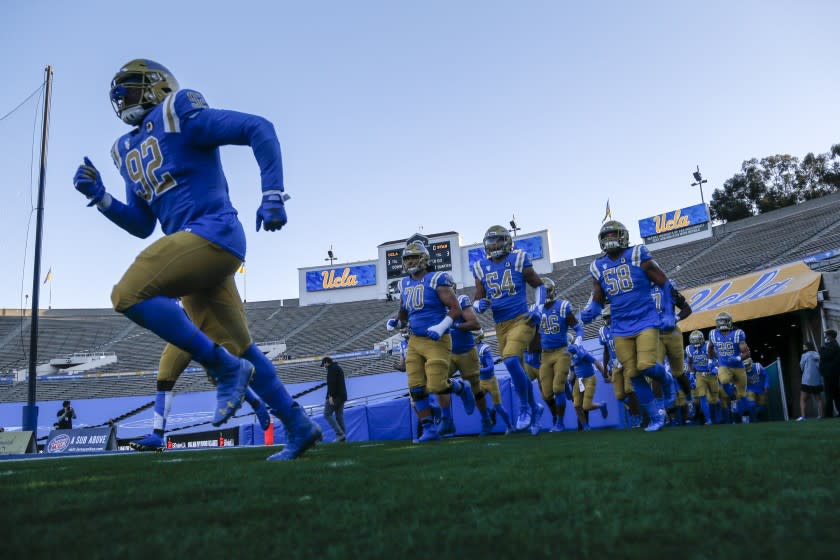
(181,105)
(593,270)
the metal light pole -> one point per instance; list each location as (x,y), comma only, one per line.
(699,183)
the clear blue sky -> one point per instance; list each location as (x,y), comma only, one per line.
(397,115)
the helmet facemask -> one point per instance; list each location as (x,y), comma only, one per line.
(138,87)
(497,242)
(415,258)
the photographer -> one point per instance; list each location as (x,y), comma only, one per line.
(65,417)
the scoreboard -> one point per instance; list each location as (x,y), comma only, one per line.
(440,258)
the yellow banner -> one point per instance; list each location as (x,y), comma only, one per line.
(759,294)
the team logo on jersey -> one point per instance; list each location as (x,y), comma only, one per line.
(149,126)
(126,143)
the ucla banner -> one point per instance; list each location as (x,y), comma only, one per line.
(344,277)
(666,225)
(760,294)
(532,246)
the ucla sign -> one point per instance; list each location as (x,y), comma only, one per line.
(674,224)
(344,277)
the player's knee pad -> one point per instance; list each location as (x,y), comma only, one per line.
(418,393)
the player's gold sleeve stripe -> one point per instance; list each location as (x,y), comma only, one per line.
(637,255)
(171,122)
(593,270)
(435,279)
(520,261)
(477,270)
(115,155)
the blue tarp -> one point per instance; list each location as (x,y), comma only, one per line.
(378,410)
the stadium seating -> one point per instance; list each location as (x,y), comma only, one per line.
(310,332)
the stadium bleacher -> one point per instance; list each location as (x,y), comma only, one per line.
(735,248)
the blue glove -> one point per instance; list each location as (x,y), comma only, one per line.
(391,324)
(535,316)
(591,311)
(271,214)
(573,349)
(88,182)
(481,305)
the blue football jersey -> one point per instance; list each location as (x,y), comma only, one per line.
(420,301)
(172,168)
(584,364)
(504,283)
(485,356)
(606,338)
(757,379)
(462,341)
(554,324)
(728,347)
(698,357)
(627,287)
(656,294)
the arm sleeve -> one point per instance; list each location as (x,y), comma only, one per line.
(217,127)
(137,219)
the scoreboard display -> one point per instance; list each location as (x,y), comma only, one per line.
(440,258)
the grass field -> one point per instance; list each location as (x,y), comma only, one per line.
(744,491)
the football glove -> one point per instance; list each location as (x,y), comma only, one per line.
(534,316)
(392,324)
(591,312)
(437,331)
(271,214)
(481,305)
(88,182)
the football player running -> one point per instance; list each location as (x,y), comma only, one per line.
(671,347)
(698,363)
(757,385)
(172,170)
(557,318)
(622,387)
(623,274)
(500,280)
(730,348)
(490,385)
(173,362)
(464,359)
(584,384)
(429,306)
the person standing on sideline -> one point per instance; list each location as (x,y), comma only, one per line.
(65,417)
(809,363)
(336,397)
(830,371)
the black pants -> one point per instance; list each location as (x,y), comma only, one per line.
(832,395)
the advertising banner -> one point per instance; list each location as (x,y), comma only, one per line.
(343,277)
(674,223)
(81,440)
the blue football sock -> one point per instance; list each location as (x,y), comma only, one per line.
(704,406)
(446,412)
(485,414)
(531,400)
(643,392)
(656,372)
(519,378)
(560,400)
(267,385)
(165,318)
(163,402)
(500,410)
(251,398)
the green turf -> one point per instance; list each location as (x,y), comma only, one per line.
(754,491)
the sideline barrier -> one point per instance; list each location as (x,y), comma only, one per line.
(16,443)
(81,440)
